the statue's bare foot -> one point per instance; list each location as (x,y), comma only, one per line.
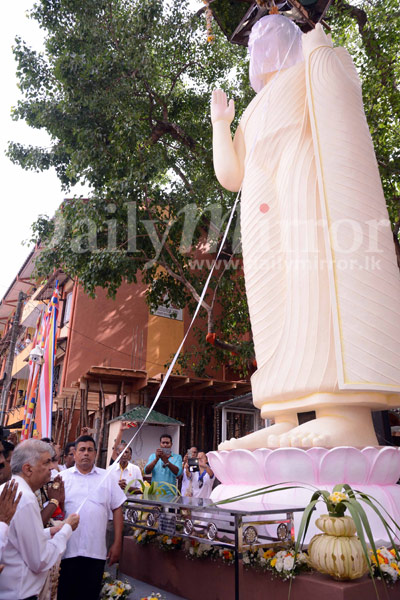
(260,438)
(302,438)
(342,426)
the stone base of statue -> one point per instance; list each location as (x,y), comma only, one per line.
(372,470)
(205,579)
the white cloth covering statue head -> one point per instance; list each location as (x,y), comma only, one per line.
(274,44)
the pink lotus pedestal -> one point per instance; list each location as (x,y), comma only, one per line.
(204,579)
(371,470)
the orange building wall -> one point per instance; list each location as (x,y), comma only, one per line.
(103,331)
(122,333)
(164,337)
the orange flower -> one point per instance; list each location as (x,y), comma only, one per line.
(395,567)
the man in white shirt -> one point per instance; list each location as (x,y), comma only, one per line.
(201,481)
(186,489)
(31,550)
(87,487)
(69,459)
(69,456)
(126,473)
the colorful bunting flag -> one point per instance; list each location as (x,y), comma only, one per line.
(30,396)
(49,341)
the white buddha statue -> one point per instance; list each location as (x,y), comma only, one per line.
(321,276)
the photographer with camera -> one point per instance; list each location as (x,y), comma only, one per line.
(198,474)
(186,488)
(164,465)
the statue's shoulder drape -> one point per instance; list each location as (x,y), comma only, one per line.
(364,281)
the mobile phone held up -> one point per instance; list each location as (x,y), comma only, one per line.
(193,464)
(166,451)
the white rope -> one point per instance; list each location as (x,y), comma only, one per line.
(202,296)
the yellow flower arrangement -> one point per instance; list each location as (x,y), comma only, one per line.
(337,497)
(114,589)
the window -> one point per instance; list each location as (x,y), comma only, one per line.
(67,308)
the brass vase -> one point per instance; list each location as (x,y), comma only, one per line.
(337,551)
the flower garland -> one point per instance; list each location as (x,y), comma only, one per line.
(209,22)
(154,596)
(143,536)
(169,543)
(280,563)
(194,549)
(283,563)
(114,589)
(389,565)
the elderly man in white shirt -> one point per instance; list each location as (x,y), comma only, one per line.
(31,550)
(88,488)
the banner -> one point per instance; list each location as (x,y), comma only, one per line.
(31,390)
(49,344)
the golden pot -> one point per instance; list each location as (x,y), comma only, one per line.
(337,552)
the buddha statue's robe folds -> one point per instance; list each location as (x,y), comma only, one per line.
(322,280)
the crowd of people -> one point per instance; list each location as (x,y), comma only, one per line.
(61,515)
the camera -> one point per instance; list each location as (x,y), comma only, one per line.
(166,451)
(193,464)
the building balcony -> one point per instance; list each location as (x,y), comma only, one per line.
(31,312)
(15,416)
(20,368)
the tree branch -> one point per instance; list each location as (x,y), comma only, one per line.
(371,44)
(175,79)
(187,284)
(183,177)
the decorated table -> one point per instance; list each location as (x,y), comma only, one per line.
(196,519)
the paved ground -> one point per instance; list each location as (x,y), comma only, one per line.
(140,589)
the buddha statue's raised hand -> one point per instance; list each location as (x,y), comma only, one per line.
(221,109)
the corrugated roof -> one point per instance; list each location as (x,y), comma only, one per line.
(239,401)
(138,414)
